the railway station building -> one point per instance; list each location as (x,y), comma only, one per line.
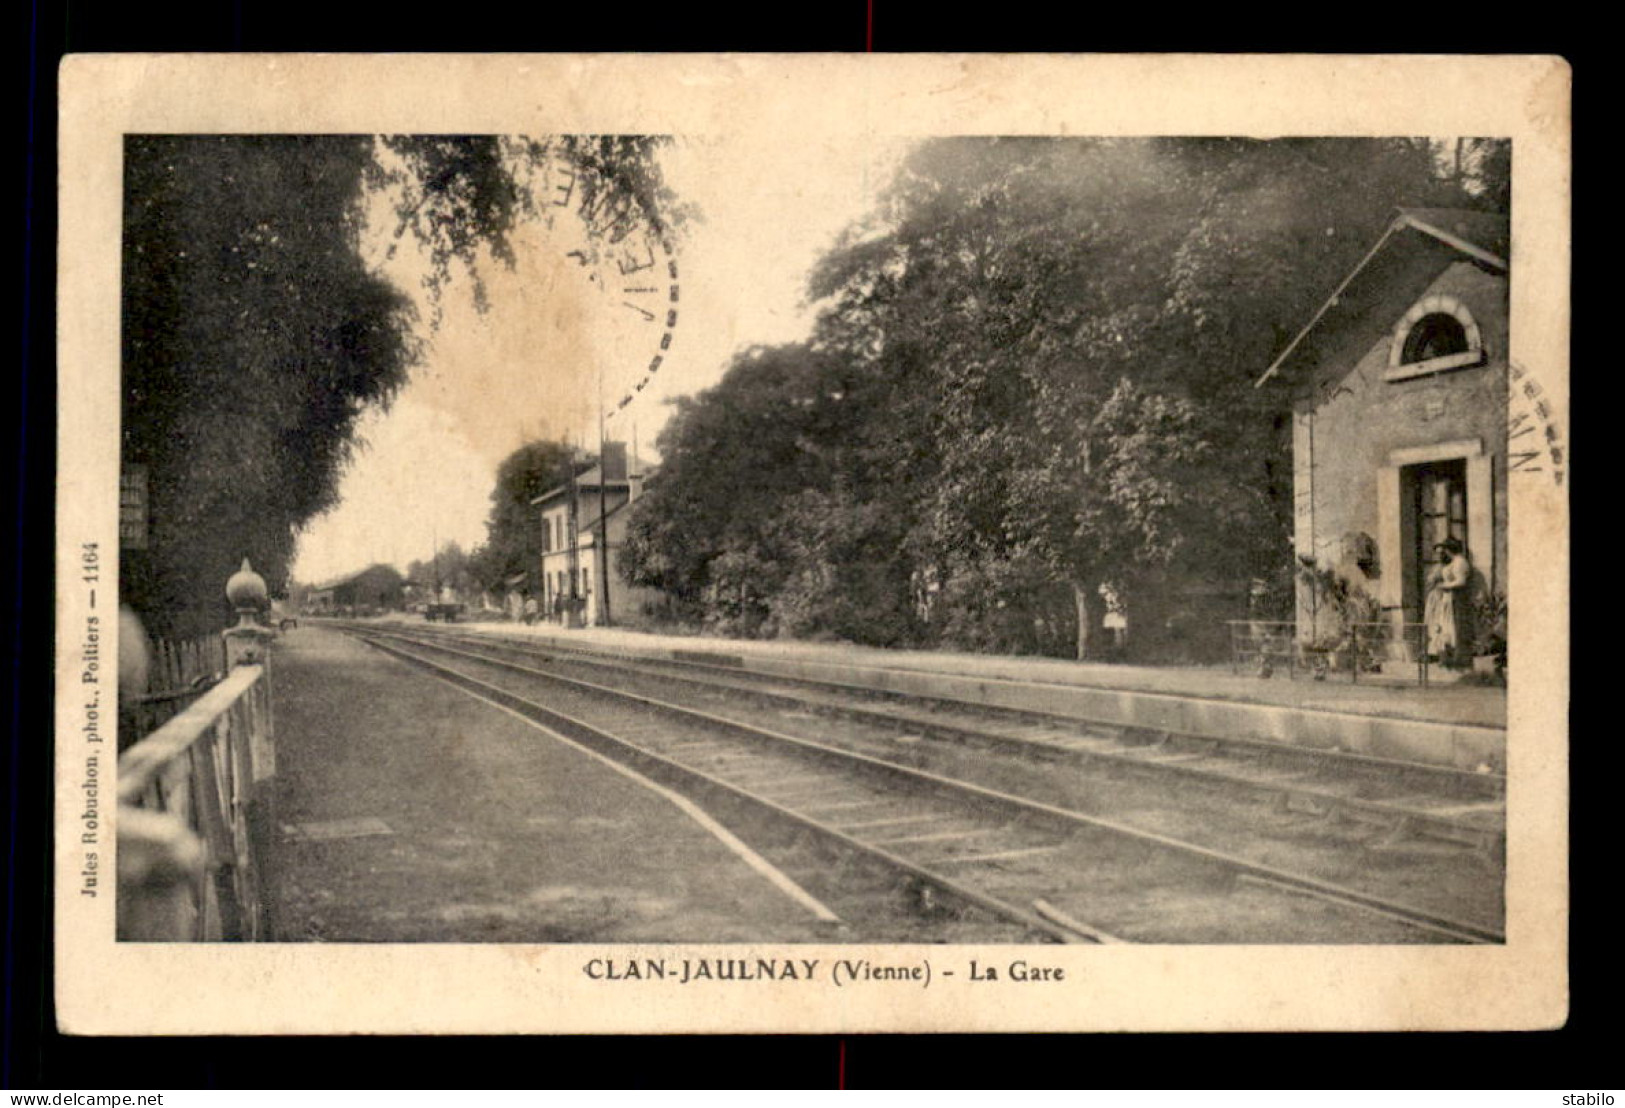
(581,580)
(1398,392)
(378,588)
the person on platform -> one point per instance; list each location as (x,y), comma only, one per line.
(531,610)
(1447,601)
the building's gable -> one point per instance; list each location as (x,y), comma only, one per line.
(1371,362)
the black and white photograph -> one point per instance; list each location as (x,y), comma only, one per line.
(672,569)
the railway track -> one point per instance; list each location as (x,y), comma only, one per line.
(1400,799)
(1050,871)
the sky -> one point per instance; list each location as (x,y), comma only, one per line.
(554,335)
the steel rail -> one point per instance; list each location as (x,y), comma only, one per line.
(1490,840)
(1466,778)
(1460,930)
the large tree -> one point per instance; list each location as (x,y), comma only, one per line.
(764,514)
(734,455)
(1025,278)
(254,336)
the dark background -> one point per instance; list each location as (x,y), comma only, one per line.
(35,1056)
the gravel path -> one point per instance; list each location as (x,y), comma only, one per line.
(415,813)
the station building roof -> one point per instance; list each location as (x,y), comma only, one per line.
(352,578)
(593,477)
(1417,245)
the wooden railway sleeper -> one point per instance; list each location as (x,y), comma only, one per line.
(1301,804)
(1484,846)
(1402,829)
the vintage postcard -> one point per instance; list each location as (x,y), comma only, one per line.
(626,544)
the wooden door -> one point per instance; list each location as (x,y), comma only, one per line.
(1439,490)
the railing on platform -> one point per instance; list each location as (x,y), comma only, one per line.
(180,671)
(1388,649)
(1377,650)
(196,813)
(1263,645)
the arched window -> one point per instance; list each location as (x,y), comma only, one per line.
(1437,334)
(1434,336)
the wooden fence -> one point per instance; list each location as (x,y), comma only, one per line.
(196,811)
(178,673)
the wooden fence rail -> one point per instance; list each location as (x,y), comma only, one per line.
(179,671)
(196,813)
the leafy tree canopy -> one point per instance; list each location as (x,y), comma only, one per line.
(254,336)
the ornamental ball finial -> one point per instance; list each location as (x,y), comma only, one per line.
(246,589)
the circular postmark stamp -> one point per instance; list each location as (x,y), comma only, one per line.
(1534,437)
(628,256)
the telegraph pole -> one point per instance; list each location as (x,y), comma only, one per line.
(602,576)
(434,533)
(574,536)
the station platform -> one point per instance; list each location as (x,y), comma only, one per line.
(1455,725)
(411,811)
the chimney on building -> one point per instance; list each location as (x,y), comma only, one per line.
(614,462)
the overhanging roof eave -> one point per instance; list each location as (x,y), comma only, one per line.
(1414,219)
(1275,366)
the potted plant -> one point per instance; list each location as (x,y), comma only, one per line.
(1349,605)
(1489,633)
(1323,654)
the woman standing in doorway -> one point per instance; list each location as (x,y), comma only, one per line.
(1447,600)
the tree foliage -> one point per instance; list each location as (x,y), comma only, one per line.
(254,336)
(1029,388)
(449,571)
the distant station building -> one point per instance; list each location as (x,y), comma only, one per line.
(1398,393)
(378,588)
(581,581)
